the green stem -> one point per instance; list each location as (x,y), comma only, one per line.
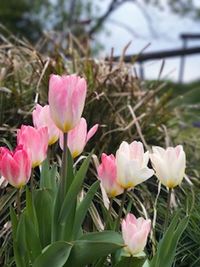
(18,201)
(109,213)
(121,210)
(32,180)
(64,165)
(168,209)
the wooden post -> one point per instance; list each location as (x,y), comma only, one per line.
(182,62)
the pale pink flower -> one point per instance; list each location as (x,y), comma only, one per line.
(78,137)
(67,95)
(169,165)
(42,118)
(107,174)
(35,142)
(135,233)
(132,164)
(16,167)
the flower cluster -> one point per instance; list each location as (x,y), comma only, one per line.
(130,167)
(67,95)
(117,173)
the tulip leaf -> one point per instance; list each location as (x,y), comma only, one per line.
(83,208)
(73,191)
(30,209)
(66,229)
(53,173)
(167,246)
(104,236)
(45,174)
(48,176)
(14,222)
(32,239)
(19,261)
(43,200)
(58,229)
(93,246)
(20,235)
(131,262)
(21,244)
(54,255)
(70,172)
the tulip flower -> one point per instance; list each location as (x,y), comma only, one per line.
(78,137)
(107,174)
(132,165)
(135,233)
(42,118)
(67,95)
(35,142)
(3,150)
(3,181)
(169,165)
(16,167)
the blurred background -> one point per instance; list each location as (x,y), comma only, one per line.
(150,26)
(141,61)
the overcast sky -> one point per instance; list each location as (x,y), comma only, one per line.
(160,29)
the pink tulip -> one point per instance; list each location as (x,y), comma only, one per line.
(35,142)
(67,95)
(3,181)
(42,118)
(107,172)
(132,163)
(3,150)
(16,167)
(78,137)
(135,233)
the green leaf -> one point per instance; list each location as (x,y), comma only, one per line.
(83,208)
(104,236)
(70,172)
(21,244)
(43,200)
(48,176)
(45,175)
(30,209)
(20,235)
(53,173)
(54,255)
(32,239)
(18,259)
(66,229)
(58,229)
(167,246)
(14,221)
(73,191)
(131,262)
(93,246)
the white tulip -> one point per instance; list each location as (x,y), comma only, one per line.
(132,164)
(169,165)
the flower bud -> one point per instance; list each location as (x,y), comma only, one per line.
(67,95)
(107,173)
(135,233)
(16,167)
(35,142)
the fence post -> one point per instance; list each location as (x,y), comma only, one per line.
(182,62)
(141,70)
